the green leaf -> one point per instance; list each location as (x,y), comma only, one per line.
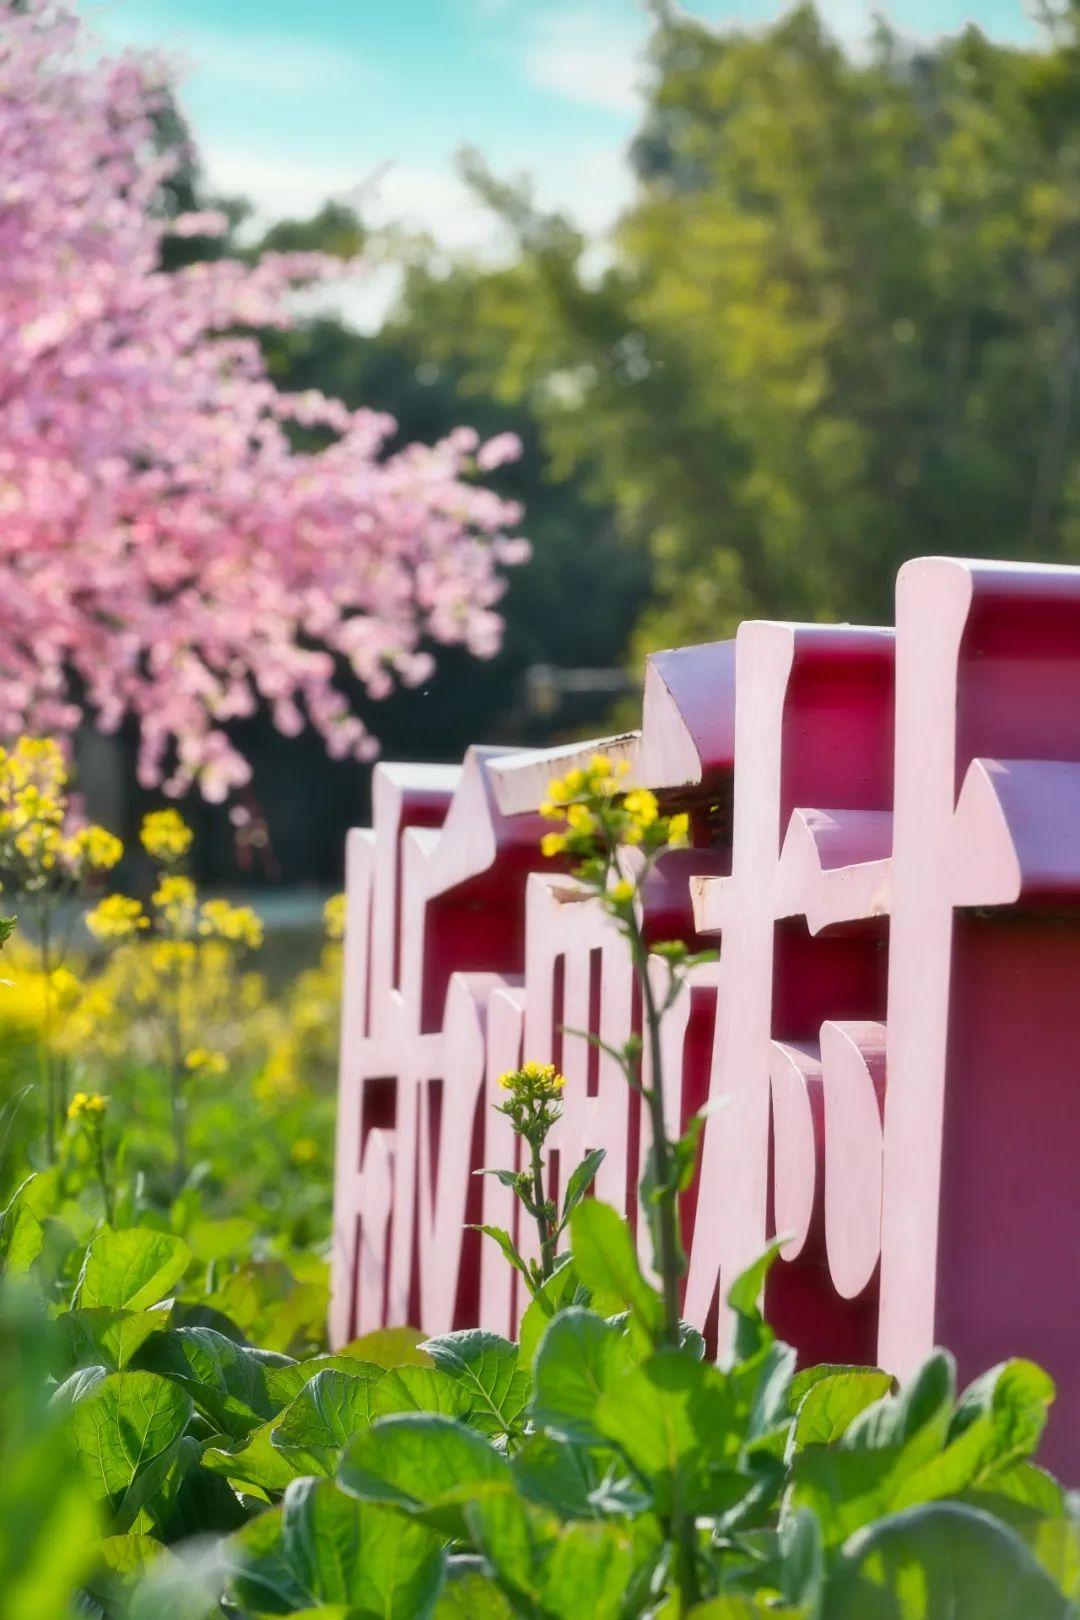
(752,1333)
(501,1236)
(22,1236)
(941,1562)
(176,1497)
(486,1367)
(427,1466)
(389,1347)
(131,1269)
(920,1412)
(313,1431)
(580,1181)
(677,1420)
(284,1383)
(107,1335)
(562,1289)
(999,1421)
(227,1381)
(580,1356)
(606,1262)
(472,1596)
(221,1239)
(129,1555)
(420,1389)
(323,1547)
(126,1421)
(559,1475)
(254,1461)
(830,1405)
(79,1385)
(513,1537)
(588,1572)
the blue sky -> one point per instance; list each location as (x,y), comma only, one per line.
(295,100)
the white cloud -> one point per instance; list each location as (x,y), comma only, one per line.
(587,57)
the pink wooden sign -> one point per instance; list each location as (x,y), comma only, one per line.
(886,850)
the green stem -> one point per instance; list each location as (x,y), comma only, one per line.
(540,1211)
(45,1062)
(669,1258)
(102,1167)
(680,1527)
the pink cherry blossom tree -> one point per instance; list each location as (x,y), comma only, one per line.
(166,552)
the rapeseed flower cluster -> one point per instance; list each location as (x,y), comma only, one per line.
(600,820)
(534,1100)
(41,851)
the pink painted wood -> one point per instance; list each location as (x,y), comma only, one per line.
(887,852)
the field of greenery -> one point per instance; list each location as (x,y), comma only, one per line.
(176,1440)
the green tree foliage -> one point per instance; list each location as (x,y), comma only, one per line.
(839,326)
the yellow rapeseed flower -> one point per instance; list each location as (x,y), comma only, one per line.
(641,805)
(94,848)
(238,924)
(552,844)
(622,892)
(580,818)
(201,1061)
(334,916)
(116,917)
(87,1105)
(679,829)
(165,835)
(305,1150)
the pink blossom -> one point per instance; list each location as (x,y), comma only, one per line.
(164,553)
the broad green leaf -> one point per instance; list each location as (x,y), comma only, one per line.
(588,1572)
(514,1537)
(126,1421)
(221,1239)
(829,1405)
(312,1432)
(606,1262)
(563,1289)
(472,1596)
(323,1547)
(675,1419)
(131,1269)
(389,1347)
(803,1382)
(943,1561)
(175,1497)
(227,1381)
(428,1466)
(420,1389)
(559,1475)
(254,1461)
(283,1384)
(998,1422)
(580,1356)
(486,1367)
(580,1181)
(917,1417)
(22,1236)
(107,1335)
(79,1385)
(130,1554)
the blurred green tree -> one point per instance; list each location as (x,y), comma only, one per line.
(838,327)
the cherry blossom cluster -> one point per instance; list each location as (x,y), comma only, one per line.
(166,553)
